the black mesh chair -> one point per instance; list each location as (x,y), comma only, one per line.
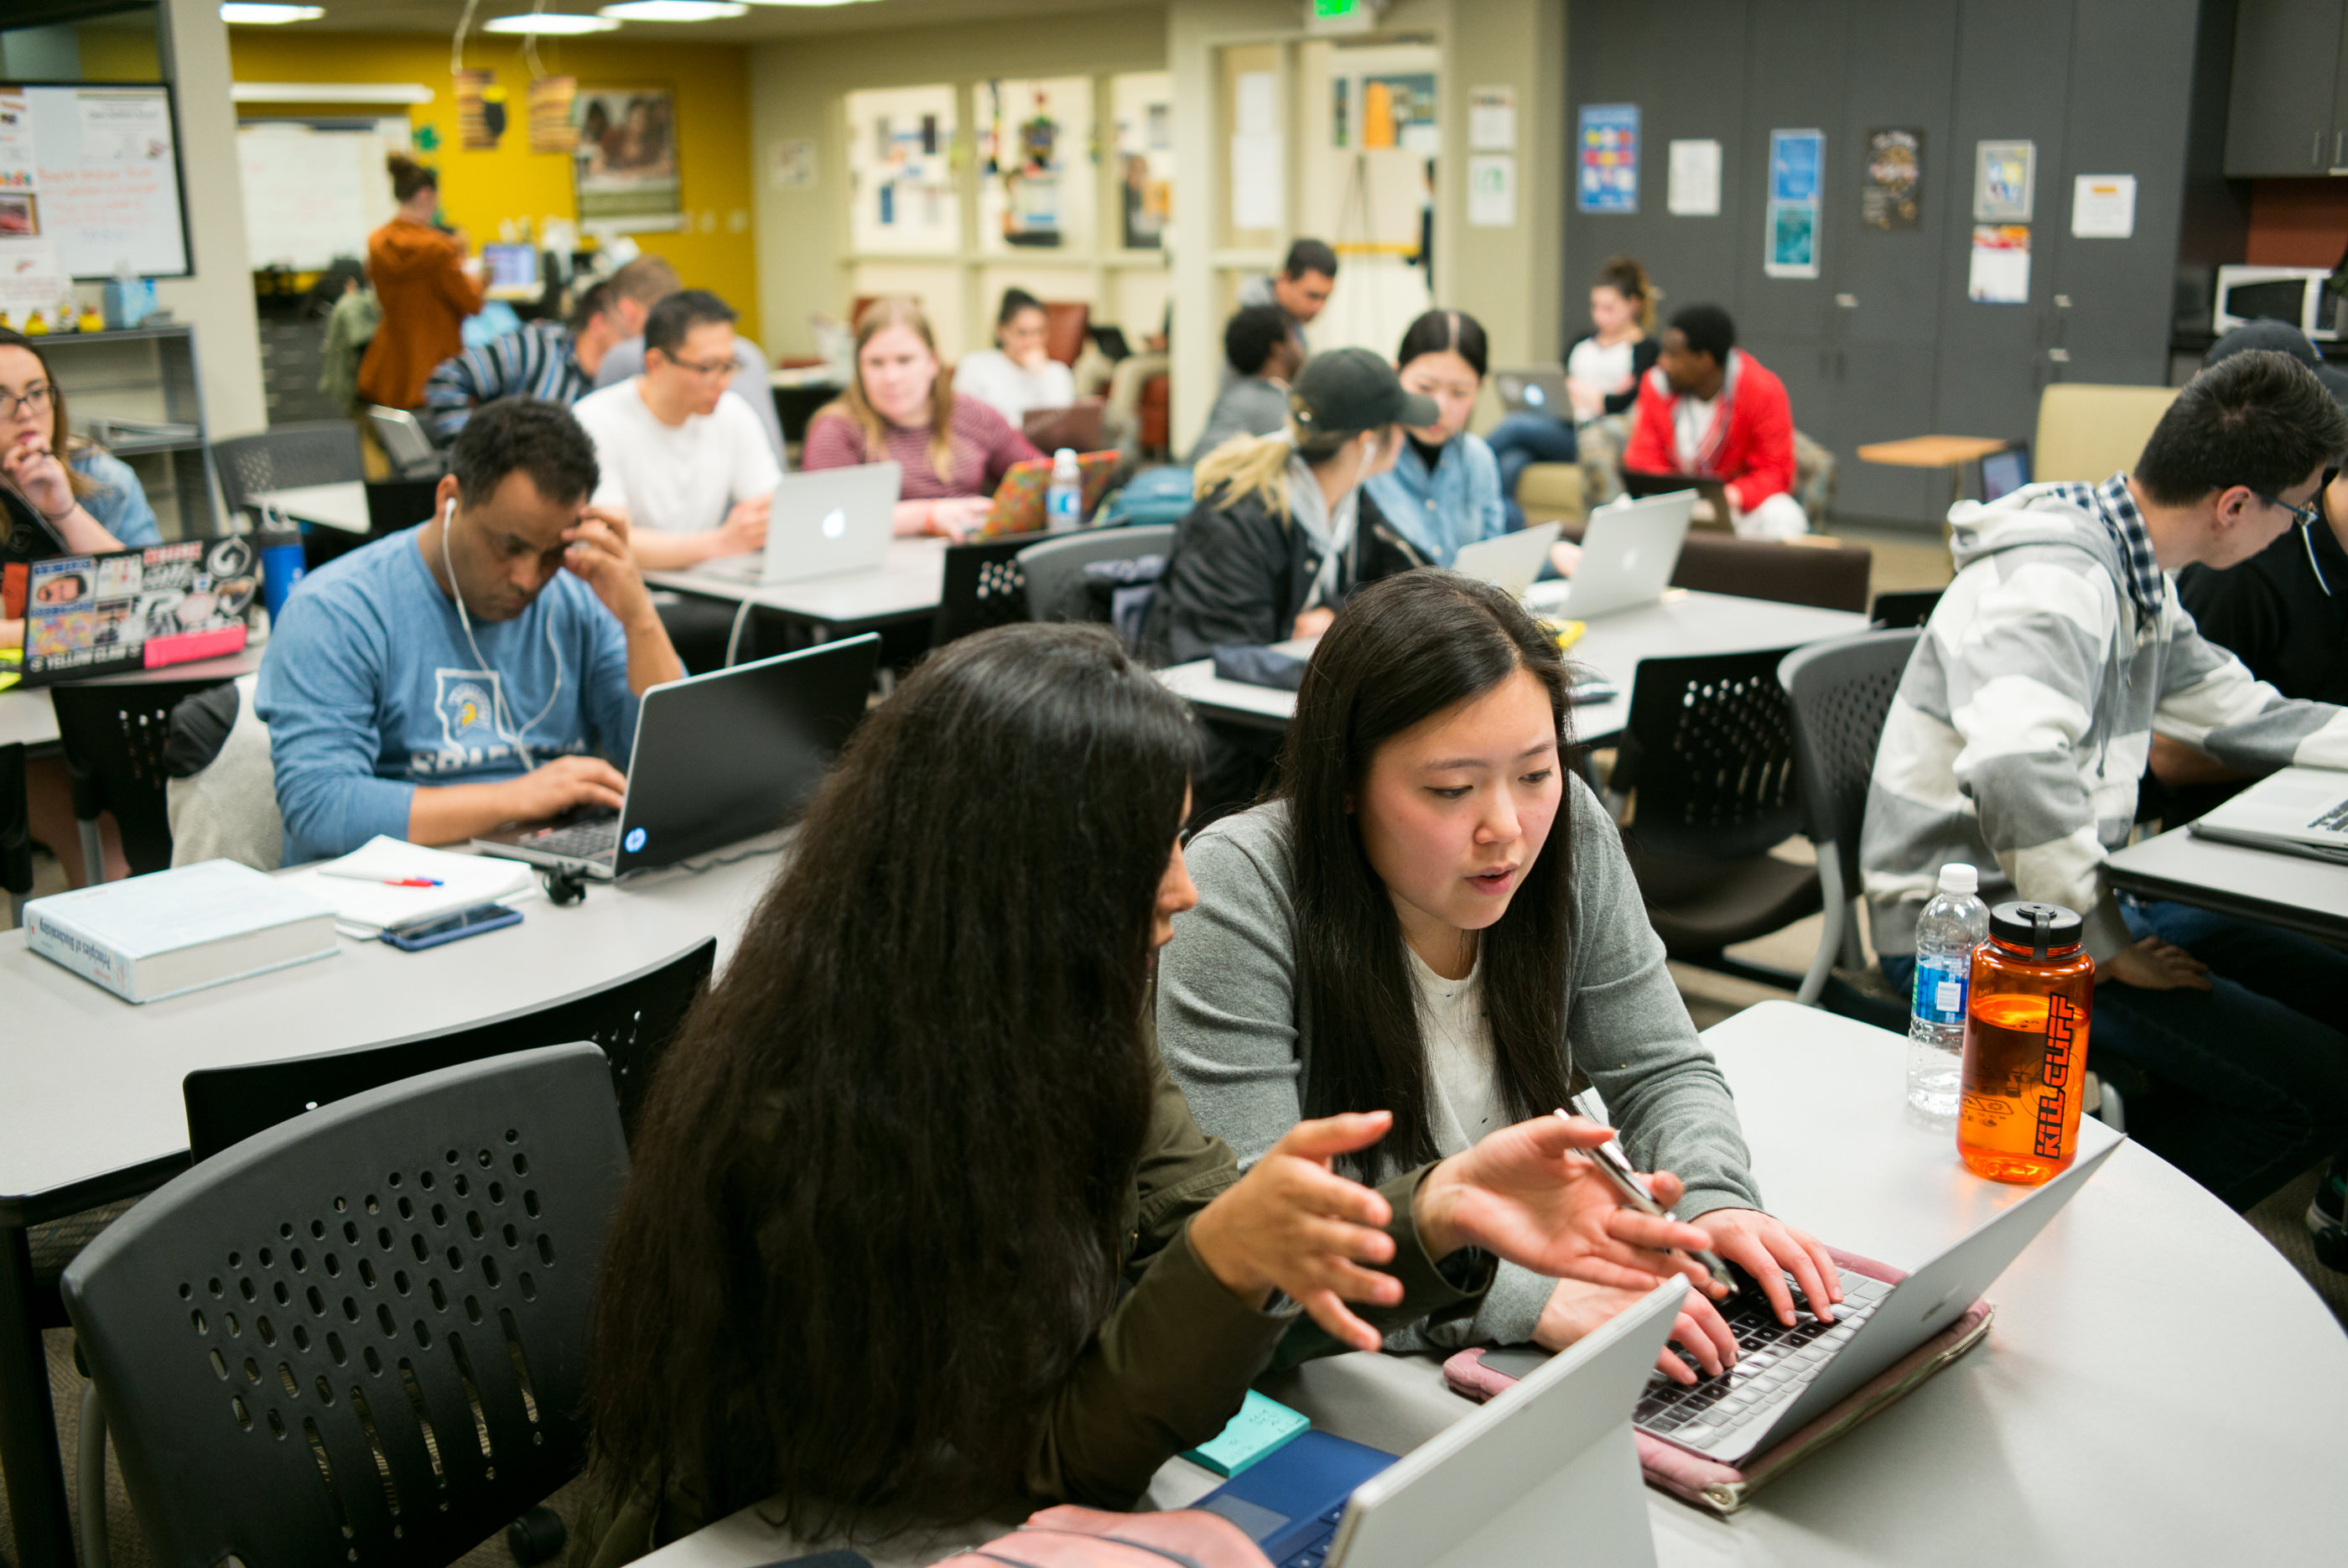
(360,1336)
(1056,588)
(113,737)
(1708,757)
(632,1022)
(984,587)
(1840,692)
(16,833)
(285,457)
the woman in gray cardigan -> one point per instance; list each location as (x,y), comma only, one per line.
(1435,916)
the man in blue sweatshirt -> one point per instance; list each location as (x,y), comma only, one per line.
(481,668)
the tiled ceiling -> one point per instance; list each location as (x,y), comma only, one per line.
(767,21)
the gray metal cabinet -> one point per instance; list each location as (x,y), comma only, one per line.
(2288,114)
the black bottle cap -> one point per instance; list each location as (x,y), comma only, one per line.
(2043,928)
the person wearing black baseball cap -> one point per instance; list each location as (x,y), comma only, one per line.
(1281,533)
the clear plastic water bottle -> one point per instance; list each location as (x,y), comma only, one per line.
(1064,501)
(1952,926)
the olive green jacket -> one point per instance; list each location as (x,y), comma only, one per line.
(1171,1363)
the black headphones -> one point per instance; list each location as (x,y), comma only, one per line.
(564,887)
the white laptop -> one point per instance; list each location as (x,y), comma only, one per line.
(825,522)
(1545,1473)
(2299,810)
(1628,555)
(1510,563)
(1534,389)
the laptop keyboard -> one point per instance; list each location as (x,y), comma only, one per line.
(1773,1364)
(597,840)
(1315,1552)
(2335,821)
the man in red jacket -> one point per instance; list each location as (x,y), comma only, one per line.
(1711,410)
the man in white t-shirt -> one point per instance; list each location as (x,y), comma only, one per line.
(688,466)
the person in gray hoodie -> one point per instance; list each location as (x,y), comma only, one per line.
(2019,733)
(1435,917)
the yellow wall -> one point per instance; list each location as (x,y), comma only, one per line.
(710,83)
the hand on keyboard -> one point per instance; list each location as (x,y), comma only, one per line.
(1575,1310)
(1768,1249)
(563,785)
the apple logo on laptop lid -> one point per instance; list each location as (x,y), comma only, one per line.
(835,523)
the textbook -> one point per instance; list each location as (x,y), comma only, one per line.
(148,938)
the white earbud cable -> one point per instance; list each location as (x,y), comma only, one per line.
(500,719)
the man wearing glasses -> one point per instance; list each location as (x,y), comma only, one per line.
(688,466)
(2020,731)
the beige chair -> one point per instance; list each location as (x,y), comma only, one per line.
(2087,431)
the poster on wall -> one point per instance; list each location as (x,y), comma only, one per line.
(1027,148)
(1693,190)
(1142,103)
(1796,162)
(903,195)
(552,128)
(1399,111)
(1891,193)
(624,167)
(2004,177)
(2103,207)
(32,278)
(1999,272)
(1492,190)
(1607,158)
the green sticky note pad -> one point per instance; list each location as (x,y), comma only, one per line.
(1263,1426)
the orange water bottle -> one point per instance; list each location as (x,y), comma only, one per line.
(2025,1046)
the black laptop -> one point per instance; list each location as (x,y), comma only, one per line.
(718,759)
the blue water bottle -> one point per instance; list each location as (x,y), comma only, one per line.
(281,568)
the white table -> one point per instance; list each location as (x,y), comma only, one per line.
(2160,1387)
(90,1107)
(1683,623)
(343,504)
(907,586)
(2289,891)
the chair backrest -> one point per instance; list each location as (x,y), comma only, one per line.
(1840,692)
(1064,322)
(15,823)
(1055,568)
(361,1336)
(1892,612)
(1710,750)
(984,587)
(2085,430)
(1829,575)
(319,452)
(632,1022)
(113,737)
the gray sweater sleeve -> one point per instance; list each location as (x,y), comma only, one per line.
(1229,1031)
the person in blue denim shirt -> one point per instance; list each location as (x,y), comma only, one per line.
(1444,489)
(115,499)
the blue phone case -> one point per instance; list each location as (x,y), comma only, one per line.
(407,943)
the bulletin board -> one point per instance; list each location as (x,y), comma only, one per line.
(105,168)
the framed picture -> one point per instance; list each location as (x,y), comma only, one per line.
(625,166)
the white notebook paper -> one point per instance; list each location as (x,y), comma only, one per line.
(364,906)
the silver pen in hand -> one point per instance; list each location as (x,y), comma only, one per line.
(1608,1157)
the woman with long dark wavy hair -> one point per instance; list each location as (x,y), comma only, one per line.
(1435,916)
(918,1230)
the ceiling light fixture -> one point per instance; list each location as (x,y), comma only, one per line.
(673,10)
(549,23)
(238,13)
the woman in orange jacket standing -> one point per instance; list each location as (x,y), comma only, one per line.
(421,280)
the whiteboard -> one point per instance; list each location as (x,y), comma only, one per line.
(108,164)
(312,193)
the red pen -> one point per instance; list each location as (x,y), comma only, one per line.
(387,881)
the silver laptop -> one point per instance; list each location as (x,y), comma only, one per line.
(1534,389)
(1548,1463)
(2299,810)
(1628,553)
(1785,1378)
(825,522)
(1510,563)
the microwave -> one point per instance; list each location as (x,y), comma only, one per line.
(2295,295)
